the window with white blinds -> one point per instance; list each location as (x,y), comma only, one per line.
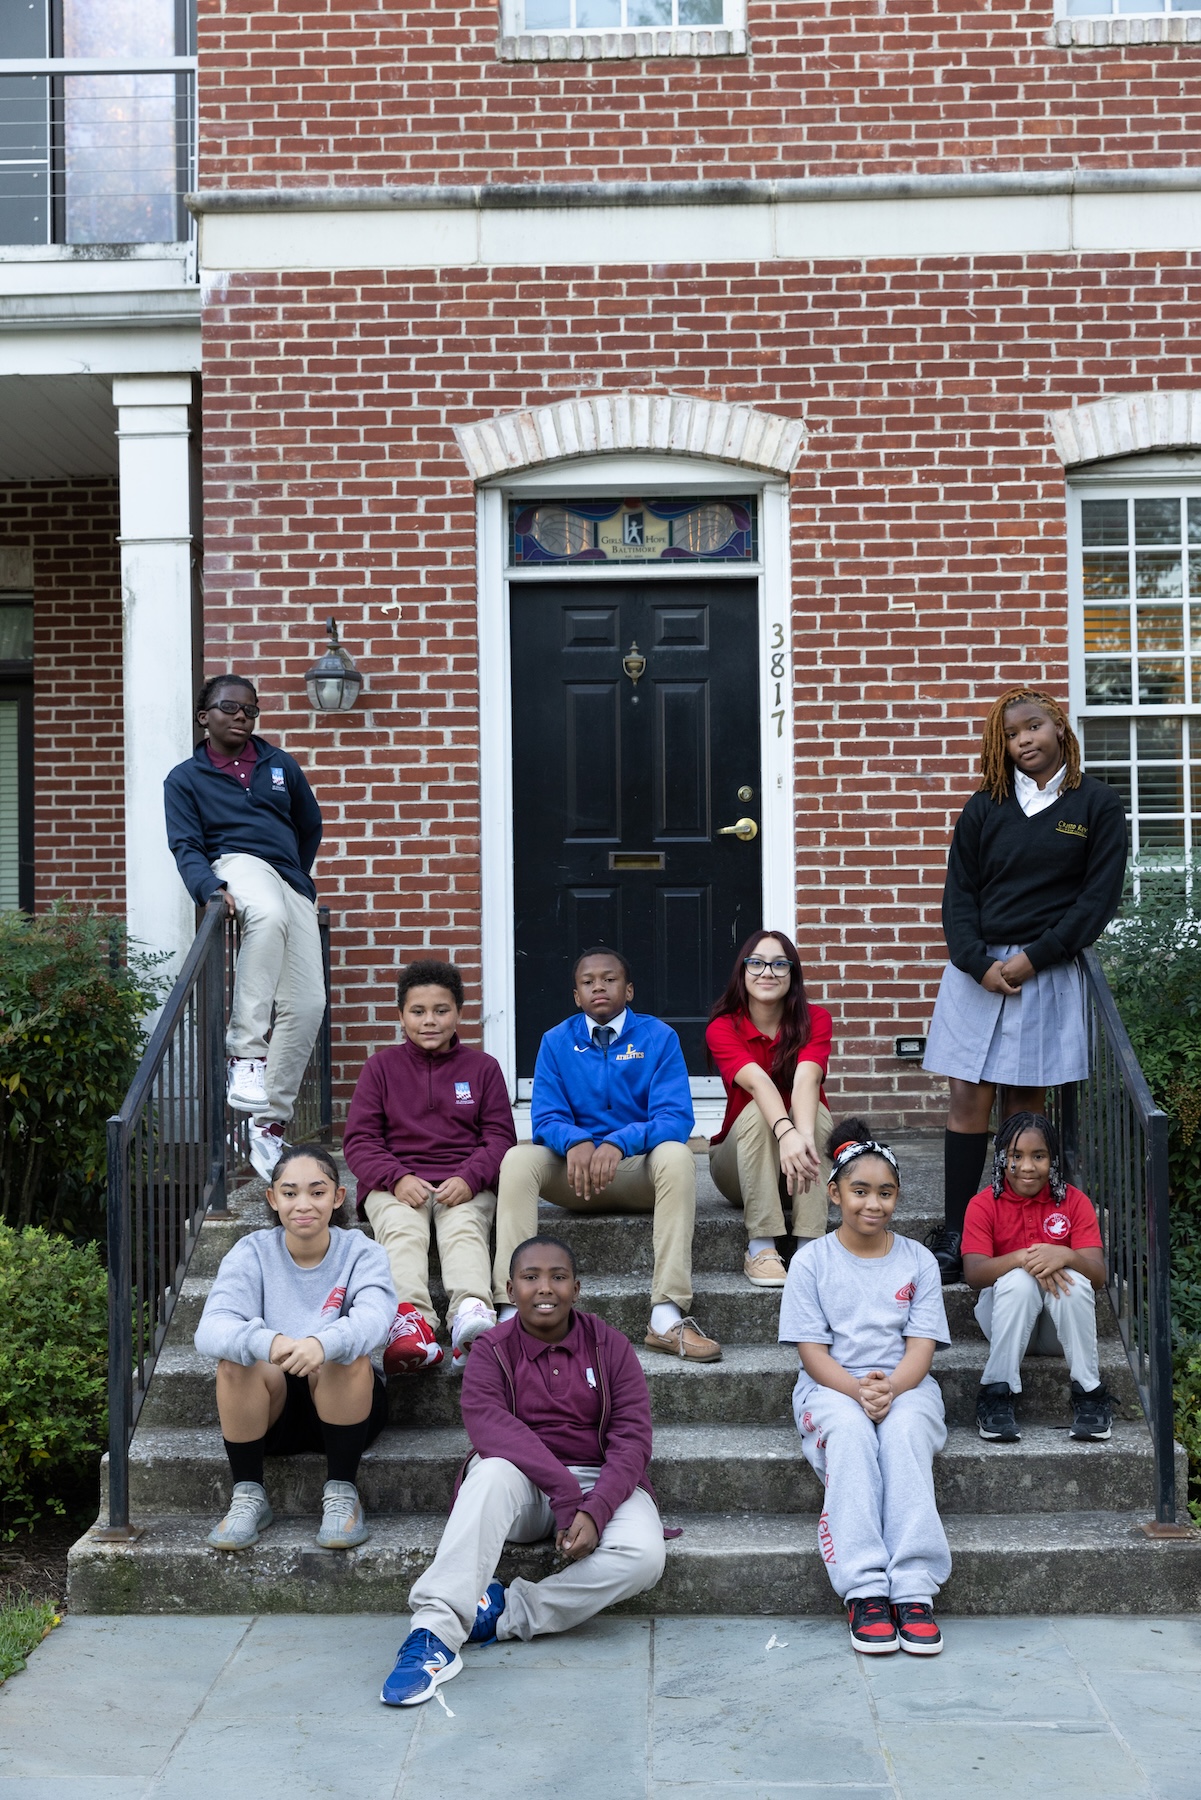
(10,807)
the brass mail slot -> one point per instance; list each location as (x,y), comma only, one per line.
(637,859)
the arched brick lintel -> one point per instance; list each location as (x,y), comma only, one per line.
(666,424)
(1126,425)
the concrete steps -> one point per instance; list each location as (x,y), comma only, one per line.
(1042,1526)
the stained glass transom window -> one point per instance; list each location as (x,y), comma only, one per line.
(608,531)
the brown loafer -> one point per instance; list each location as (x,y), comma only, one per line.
(685,1340)
(765,1270)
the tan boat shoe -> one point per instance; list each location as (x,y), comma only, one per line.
(686,1340)
(766,1269)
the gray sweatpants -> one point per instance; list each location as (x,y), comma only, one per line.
(498,1504)
(880,1533)
(1019,1319)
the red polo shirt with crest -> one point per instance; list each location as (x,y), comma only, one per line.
(999,1227)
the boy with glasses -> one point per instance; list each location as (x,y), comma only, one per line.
(241,819)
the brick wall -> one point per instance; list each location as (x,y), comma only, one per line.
(333,483)
(345,94)
(79,816)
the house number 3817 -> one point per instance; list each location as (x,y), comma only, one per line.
(777,675)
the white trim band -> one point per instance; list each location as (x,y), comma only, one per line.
(611,46)
(1127,425)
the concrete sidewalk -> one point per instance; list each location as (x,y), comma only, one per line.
(283,1708)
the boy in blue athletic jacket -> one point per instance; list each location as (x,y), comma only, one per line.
(242,818)
(611,1115)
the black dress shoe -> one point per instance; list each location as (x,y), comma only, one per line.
(944,1245)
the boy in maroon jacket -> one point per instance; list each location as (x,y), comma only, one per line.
(557,1410)
(427,1128)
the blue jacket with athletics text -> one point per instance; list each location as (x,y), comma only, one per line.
(210,814)
(634,1094)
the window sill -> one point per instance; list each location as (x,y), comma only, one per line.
(628,46)
(1138,28)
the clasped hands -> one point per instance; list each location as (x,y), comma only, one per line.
(591,1167)
(875,1395)
(580,1539)
(1047,1263)
(297,1356)
(411,1190)
(1007,977)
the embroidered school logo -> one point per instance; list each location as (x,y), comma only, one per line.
(1070,828)
(905,1295)
(462,1093)
(332,1307)
(277,777)
(629,1054)
(1057,1225)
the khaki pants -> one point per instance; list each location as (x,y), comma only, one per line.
(662,1182)
(462,1233)
(497,1503)
(746,1168)
(279,964)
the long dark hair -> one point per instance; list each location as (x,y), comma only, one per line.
(794,1024)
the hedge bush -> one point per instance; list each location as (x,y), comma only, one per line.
(53,1371)
(72,1007)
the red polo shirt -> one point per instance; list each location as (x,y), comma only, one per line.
(735,1040)
(999,1227)
(241,766)
(558,1396)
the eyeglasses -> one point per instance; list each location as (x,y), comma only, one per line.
(232,707)
(755,965)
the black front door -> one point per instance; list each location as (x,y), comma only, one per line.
(635,741)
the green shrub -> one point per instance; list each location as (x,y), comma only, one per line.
(53,1371)
(72,1012)
(23,1625)
(1186,1391)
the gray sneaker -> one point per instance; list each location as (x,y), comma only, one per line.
(342,1522)
(249,1513)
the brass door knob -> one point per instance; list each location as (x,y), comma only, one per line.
(745,829)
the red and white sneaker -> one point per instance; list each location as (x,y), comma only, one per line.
(917,1628)
(411,1343)
(873,1632)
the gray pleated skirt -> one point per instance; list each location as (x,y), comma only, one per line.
(1034,1038)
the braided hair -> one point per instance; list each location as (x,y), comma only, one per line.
(204,698)
(1008,1135)
(994,758)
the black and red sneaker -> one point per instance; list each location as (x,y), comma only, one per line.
(872,1629)
(917,1628)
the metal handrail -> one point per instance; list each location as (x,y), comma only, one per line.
(1115,1141)
(171,1149)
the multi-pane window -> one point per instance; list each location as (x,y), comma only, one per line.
(1092,9)
(16,753)
(1140,567)
(619,15)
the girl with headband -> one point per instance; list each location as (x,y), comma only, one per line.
(1034,876)
(864,1308)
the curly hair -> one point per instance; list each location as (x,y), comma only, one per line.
(994,758)
(204,698)
(1008,1135)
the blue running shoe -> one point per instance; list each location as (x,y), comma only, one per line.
(423,1663)
(488,1615)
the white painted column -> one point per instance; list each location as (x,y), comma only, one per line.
(156,588)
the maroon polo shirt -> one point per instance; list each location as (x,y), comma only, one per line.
(556,1399)
(241,766)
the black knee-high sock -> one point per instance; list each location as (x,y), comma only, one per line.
(344,1447)
(246,1460)
(963,1158)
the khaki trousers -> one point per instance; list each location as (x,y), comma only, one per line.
(497,1503)
(746,1168)
(462,1233)
(279,964)
(662,1182)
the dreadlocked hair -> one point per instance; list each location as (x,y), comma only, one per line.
(994,758)
(1008,1135)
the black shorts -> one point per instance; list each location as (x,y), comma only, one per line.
(299,1429)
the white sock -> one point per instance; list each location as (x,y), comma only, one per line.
(505,1312)
(801,1242)
(664,1316)
(757,1246)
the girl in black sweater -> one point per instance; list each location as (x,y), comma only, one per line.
(1034,876)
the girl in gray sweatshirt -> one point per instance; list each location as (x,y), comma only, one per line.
(293,1316)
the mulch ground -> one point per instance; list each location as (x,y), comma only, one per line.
(35,1562)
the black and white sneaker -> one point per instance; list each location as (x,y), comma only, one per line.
(1092,1414)
(944,1246)
(994,1414)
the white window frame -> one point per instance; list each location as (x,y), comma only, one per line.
(571,41)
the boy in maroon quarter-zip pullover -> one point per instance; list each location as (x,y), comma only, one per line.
(427,1128)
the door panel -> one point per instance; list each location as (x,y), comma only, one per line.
(622,776)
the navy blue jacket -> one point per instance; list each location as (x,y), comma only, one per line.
(210,814)
(634,1094)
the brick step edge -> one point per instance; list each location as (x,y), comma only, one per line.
(724,1564)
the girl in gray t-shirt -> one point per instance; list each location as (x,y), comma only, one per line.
(864,1307)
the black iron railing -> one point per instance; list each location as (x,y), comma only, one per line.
(174,1153)
(1115,1141)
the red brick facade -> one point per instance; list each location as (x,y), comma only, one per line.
(79,812)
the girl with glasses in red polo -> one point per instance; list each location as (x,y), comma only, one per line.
(771,1047)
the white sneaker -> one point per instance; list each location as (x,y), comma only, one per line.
(246,1083)
(472,1318)
(266,1147)
(342,1522)
(249,1513)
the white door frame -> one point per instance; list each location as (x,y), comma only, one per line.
(619,475)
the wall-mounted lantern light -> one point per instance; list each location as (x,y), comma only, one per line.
(333,682)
